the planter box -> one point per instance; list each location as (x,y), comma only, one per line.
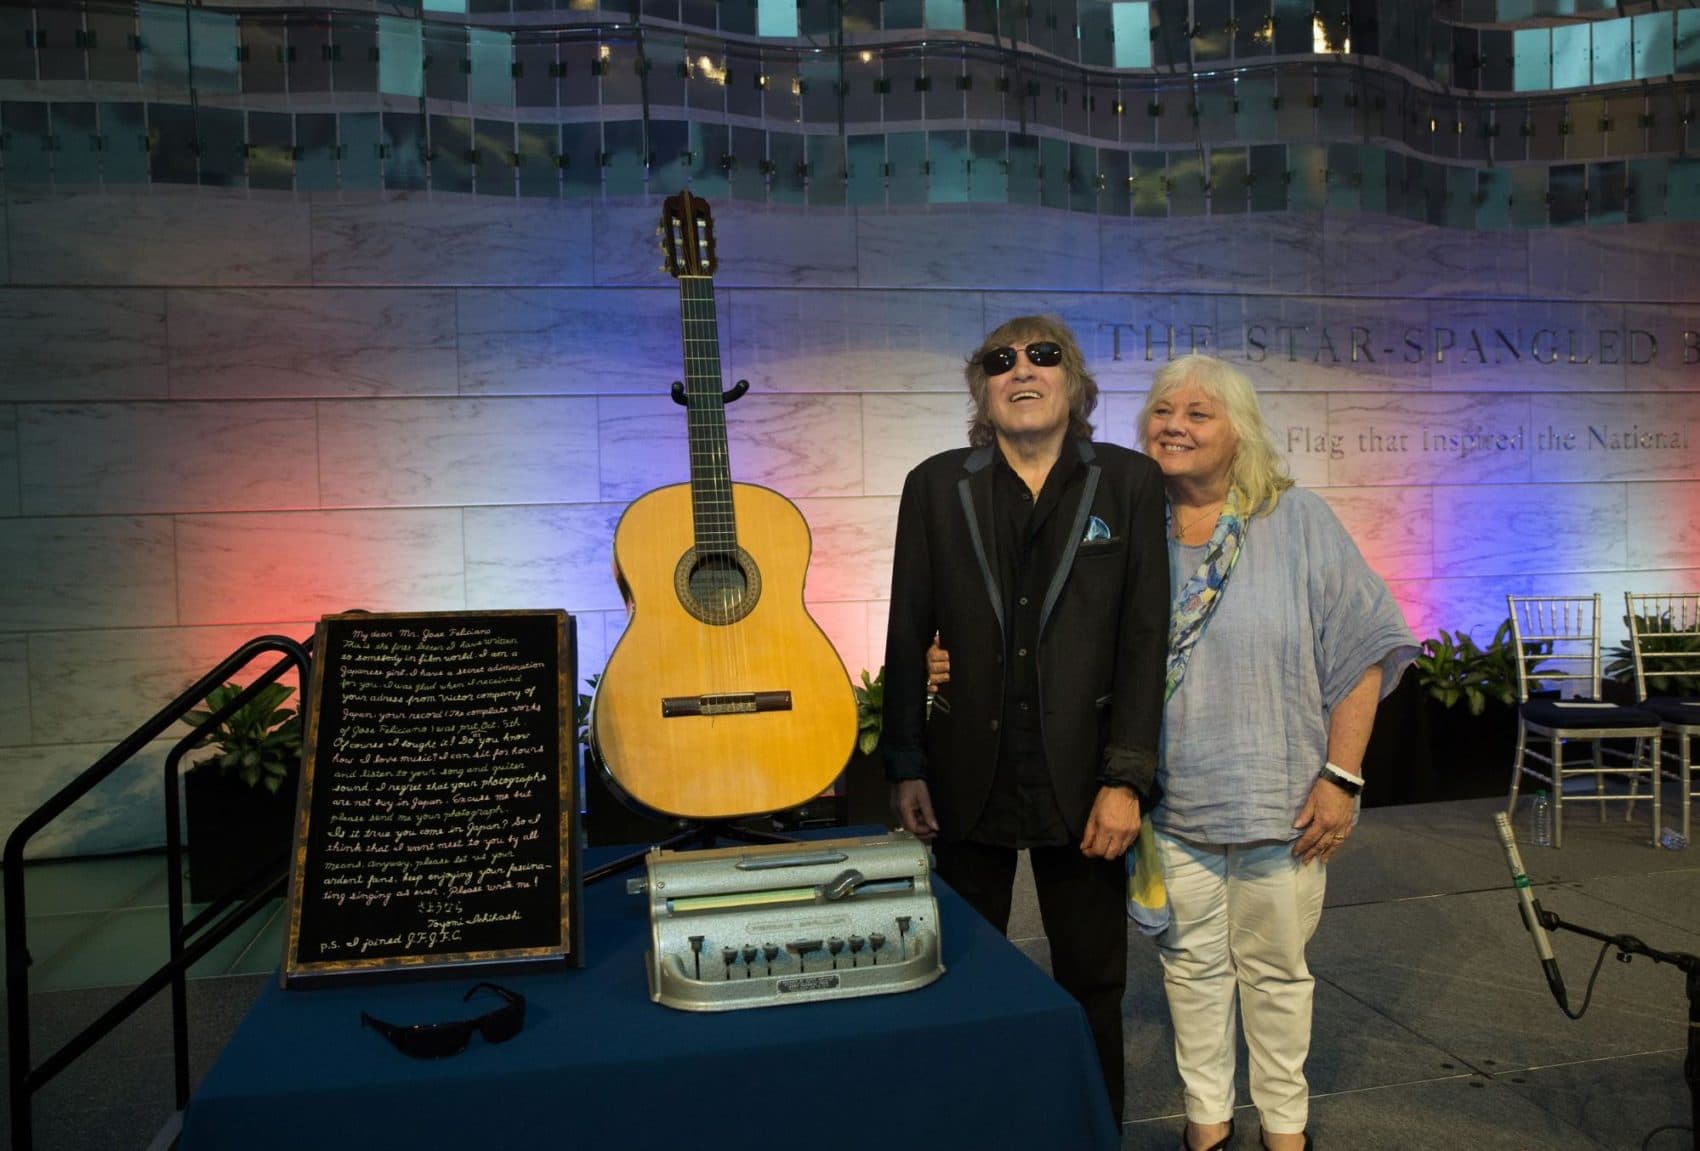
(236,833)
(1421,752)
(867,796)
(1472,753)
(1397,766)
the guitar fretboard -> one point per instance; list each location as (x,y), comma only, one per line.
(711,469)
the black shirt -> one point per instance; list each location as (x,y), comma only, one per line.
(1030,536)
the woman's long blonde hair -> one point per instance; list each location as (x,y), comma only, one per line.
(1257,473)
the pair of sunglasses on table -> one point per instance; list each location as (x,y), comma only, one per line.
(1041,354)
(436,1040)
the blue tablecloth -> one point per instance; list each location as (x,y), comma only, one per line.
(992,1055)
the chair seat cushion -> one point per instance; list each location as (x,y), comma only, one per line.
(1681,712)
(1582,714)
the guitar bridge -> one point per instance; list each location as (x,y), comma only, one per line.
(725,703)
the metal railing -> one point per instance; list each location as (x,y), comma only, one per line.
(190,941)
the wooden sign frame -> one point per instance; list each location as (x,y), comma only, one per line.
(437,824)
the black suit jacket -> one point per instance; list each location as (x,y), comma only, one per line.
(1103,635)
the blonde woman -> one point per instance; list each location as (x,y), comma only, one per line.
(1291,641)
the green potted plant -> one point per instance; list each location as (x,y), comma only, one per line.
(1471,712)
(1453,670)
(240,801)
(866,799)
(870,711)
(1657,641)
(581,711)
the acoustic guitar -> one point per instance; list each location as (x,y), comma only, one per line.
(723,697)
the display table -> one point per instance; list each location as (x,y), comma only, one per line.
(991,1055)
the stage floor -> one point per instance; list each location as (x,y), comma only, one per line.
(1434,1028)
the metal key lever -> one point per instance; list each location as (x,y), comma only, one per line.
(802,947)
(842,884)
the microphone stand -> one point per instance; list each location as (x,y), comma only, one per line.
(1627,946)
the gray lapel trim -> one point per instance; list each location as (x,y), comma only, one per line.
(977,461)
(1065,563)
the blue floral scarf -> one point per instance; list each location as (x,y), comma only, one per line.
(1200,595)
(1147,896)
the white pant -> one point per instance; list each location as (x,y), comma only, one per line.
(1240,917)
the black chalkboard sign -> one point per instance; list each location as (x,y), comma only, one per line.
(437,825)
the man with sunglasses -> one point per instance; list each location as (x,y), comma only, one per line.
(1037,558)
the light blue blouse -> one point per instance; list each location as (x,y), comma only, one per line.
(1301,619)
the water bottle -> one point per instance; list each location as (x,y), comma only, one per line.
(1540,821)
(1672,839)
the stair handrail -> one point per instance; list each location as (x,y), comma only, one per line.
(210,927)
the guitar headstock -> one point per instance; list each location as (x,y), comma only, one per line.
(687,236)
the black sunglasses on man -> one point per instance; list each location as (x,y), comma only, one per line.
(1041,354)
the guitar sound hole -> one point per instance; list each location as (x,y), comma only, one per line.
(717,587)
(717,583)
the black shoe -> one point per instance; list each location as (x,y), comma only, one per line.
(1265,1146)
(1220,1144)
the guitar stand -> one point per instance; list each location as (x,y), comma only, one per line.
(726,397)
(694,835)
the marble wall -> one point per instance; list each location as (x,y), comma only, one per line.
(223,414)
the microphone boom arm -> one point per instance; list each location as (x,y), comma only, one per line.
(1629,946)
(1539,921)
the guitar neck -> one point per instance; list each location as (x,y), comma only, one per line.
(711,468)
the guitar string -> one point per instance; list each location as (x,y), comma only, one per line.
(713,508)
(734,639)
(699,478)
